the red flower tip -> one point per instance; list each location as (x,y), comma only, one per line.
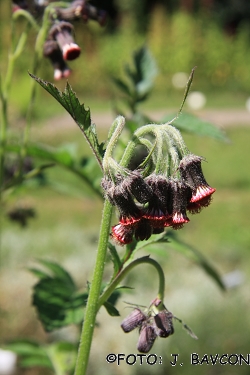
(71,51)
(129,220)
(202,192)
(180,218)
(122,234)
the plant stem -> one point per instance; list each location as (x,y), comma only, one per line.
(94,293)
(107,293)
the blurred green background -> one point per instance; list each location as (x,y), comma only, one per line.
(180,35)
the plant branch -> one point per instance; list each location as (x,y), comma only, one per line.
(110,289)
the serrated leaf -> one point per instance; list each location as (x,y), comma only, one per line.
(56,297)
(38,273)
(193,124)
(78,112)
(58,271)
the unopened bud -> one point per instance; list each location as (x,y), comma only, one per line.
(164,324)
(146,339)
(133,320)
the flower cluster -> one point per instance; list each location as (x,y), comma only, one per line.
(60,45)
(152,324)
(148,205)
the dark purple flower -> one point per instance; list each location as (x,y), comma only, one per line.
(180,196)
(123,200)
(62,32)
(143,230)
(52,51)
(163,323)
(191,173)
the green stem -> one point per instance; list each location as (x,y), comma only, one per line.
(107,293)
(114,135)
(94,293)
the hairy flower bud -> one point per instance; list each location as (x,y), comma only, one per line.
(146,339)
(164,325)
(133,320)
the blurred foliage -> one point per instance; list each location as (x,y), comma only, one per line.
(178,41)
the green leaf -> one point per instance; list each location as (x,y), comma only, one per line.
(196,256)
(56,297)
(31,361)
(144,73)
(77,111)
(193,124)
(111,309)
(65,156)
(122,85)
(114,257)
(58,271)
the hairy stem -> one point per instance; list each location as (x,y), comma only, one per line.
(94,293)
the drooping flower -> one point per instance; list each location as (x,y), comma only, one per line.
(180,193)
(191,172)
(123,200)
(52,51)
(62,32)
(155,322)
(156,211)
(164,323)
